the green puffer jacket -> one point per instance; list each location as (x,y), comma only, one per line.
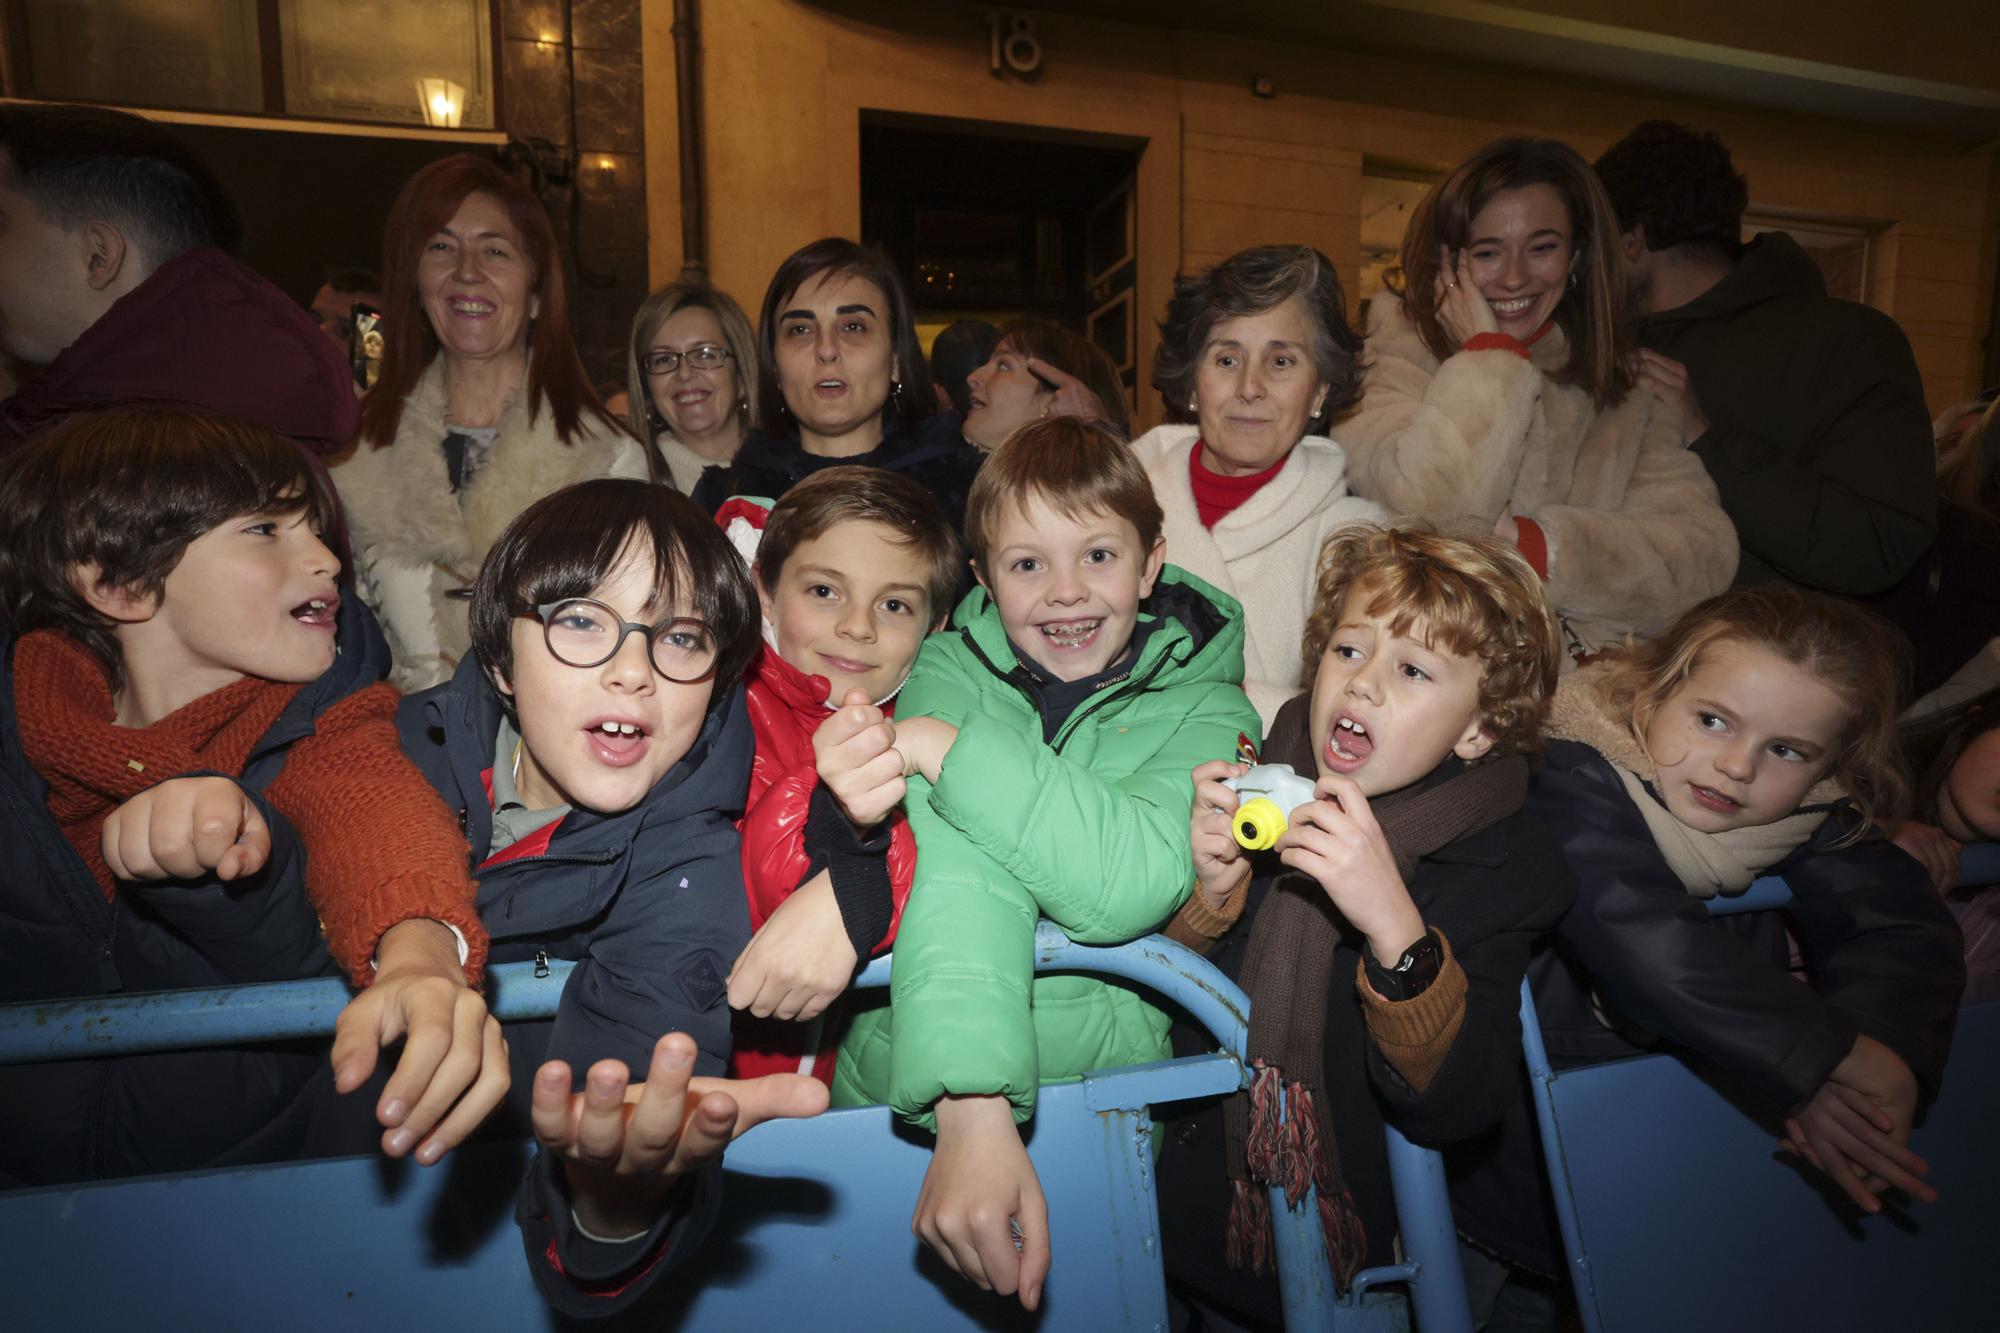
(1090,831)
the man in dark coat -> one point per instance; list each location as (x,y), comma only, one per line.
(115,277)
(1808,411)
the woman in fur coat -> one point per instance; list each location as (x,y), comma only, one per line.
(482,409)
(1497,397)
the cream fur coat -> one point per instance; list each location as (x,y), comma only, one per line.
(415,542)
(1635,532)
(1264,554)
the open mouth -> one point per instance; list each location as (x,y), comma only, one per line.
(616,742)
(689,397)
(470,308)
(1512,308)
(316,612)
(1348,744)
(830,388)
(1070,635)
(1708,798)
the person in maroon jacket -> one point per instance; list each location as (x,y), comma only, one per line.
(116,278)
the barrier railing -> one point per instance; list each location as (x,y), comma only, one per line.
(57,1237)
(1646,1159)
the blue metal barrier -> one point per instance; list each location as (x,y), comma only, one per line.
(1655,1172)
(816,1209)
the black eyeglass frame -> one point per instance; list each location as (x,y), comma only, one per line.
(626,628)
(646,362)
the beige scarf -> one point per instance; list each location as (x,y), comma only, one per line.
(1706,864)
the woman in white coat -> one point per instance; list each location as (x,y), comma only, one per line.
(1256,356)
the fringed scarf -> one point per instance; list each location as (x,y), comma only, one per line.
(1707,864)
(1279,1132)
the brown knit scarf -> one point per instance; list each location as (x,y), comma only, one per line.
(1279,1132)
(64,708)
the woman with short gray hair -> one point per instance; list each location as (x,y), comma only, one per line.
(1255,356)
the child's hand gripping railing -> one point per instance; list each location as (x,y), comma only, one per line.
(819,1206)
(1650,1166)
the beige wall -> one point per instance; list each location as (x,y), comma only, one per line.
(786,82)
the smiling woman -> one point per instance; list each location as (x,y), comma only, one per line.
(1258,353)
(482,408)
(1496,399)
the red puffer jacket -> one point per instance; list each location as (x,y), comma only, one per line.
(786,707)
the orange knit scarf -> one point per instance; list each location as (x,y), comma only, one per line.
(64,707)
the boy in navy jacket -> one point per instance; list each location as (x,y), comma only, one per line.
(597,749)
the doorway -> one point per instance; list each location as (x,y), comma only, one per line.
(995,222)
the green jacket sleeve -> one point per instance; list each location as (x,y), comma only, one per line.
(1852,509)
(959,990)
(1106,859)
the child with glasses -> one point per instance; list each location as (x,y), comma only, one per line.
(596,748)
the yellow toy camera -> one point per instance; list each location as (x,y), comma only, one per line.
(1269,792)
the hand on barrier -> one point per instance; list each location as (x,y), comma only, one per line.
(1856,1128)
(624,1145)
(981,1207)
(854,750)
(800,959)
(183,829)
(1934,849)
(1265,797)
(1219,863)
(453,1069)
(1336,840)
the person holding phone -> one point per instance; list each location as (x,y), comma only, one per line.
(1498,397)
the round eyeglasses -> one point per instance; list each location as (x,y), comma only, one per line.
(702,356)
(584,633)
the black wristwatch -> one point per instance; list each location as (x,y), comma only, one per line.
(1412,974)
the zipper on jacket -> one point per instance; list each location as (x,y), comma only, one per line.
(541,962)
(1108,690)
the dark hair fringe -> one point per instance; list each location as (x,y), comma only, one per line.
(1932,745)
(1680,184)
(568,543)
(865,495)
(127,489)
(837,255)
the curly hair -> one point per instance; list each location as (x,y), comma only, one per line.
(1468,596)
(1855,653)
(1251,282)
(1680,185)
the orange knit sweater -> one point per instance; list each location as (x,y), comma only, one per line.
(380,846)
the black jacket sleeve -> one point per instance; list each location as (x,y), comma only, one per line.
(1882,946)
(858,867)
(1494,917)
(261,927)
(1851,506)
(657,964)
(1661,962)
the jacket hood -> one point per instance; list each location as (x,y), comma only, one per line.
(1200,634)
(1772,266)
(462,716)
(202,332)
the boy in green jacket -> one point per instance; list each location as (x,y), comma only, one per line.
(1047,741)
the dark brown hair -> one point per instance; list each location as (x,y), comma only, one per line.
(1073,354)
(1075,466)
(1468,596)
(1591,314)
(127,489)
(865,495)
(426,204)
(1251,282)
(569,543)
(836,255)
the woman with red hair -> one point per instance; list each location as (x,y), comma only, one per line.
(482,408)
